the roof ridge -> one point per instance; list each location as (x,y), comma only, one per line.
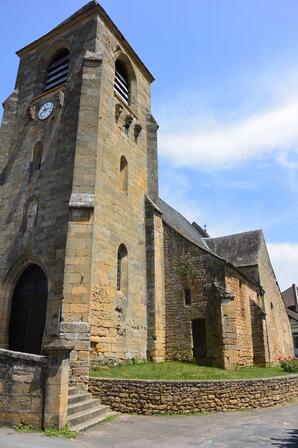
(259,231)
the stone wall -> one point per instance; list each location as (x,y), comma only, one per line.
(119,318)
(155,283)
(188,266)
(22,382)
(279,331)
(44,243)
(229,303)
(174,397)
(251,337)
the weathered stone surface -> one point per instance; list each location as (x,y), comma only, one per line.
(183,397)
(22,388)
(82,215)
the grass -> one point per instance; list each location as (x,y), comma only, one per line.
(110,418)
(63,432)
(49,432)
(183,371)
(22,427)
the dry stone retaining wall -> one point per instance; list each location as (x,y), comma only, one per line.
(22,378)
(173,397)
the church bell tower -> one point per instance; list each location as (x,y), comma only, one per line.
(77,157)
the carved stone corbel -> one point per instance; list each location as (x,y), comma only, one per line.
(118,111)
(128,120)
(137,131)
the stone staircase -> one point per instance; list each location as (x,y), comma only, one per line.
(83,410)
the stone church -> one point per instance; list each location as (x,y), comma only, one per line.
(89,253)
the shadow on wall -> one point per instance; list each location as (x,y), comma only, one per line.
(291,441)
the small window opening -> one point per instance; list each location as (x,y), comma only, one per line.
(37,156)
(122,269)
(123,175)
(58,70)
(271,305)
(121,85)
(187,296)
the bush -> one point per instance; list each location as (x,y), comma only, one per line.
(289,365)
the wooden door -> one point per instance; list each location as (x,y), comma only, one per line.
(199,338)
(28,311)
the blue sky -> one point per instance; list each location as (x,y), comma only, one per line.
(226,99)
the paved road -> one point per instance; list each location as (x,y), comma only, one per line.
(276,427)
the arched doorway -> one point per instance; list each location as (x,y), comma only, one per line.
(28,311)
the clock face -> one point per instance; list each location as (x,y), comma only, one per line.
(45,110)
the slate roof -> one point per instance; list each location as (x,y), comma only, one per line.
(292,314)
(195,234)
(175,220)
(240,249)
(289,296)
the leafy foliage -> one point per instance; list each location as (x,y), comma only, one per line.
(289,365)
(50,432)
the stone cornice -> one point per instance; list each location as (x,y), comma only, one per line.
(82,200)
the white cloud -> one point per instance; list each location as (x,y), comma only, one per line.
(176,191)
(284,258)
(221,144)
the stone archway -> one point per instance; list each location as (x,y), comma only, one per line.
(28,311)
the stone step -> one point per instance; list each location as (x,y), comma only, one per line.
(83,406)
(93,421)
(81,396)
(89,414)
(74,390)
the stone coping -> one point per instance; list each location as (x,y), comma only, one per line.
(228,380)
(4,353)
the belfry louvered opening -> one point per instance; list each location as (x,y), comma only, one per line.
(57,70)
(121,85)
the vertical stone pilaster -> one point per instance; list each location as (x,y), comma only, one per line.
(155,283)
(152,160)
(75,325)
(56,389)
(229,330)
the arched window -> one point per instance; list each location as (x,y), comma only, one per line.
(123,175)
(122,84)
(122,269)
(57,69)
(37,156)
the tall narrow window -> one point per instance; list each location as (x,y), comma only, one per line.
(187,296)
(122,269)
(121,84)
(123,175)
(37,156)
(58,69)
